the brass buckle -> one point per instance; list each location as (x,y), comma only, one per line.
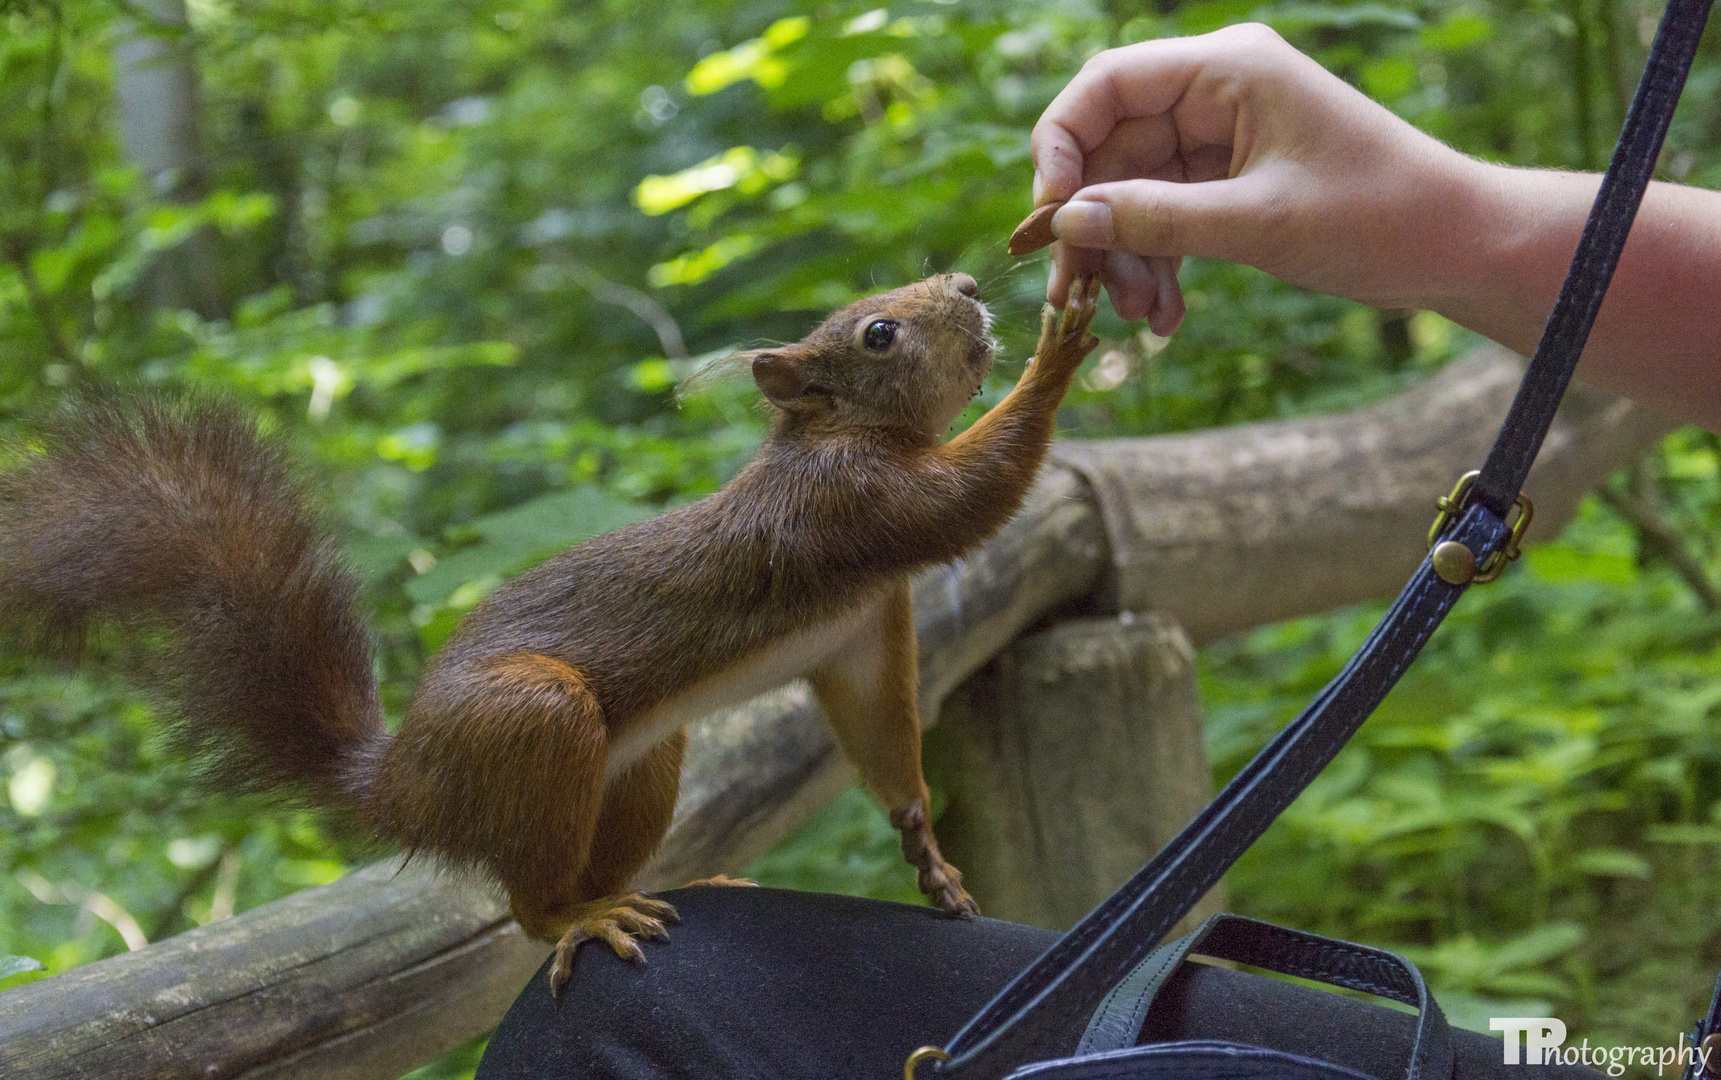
(936,1053)
(1454,562)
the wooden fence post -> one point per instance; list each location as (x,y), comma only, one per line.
(1067,762)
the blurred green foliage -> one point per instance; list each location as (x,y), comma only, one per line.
(1534,814)
(463,252)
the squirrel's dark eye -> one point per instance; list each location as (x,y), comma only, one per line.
(879,335)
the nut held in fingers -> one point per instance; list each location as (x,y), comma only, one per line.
(1035,232)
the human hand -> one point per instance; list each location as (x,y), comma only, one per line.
(1235,145)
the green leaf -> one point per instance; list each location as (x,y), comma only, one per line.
(1291,18)
(748,60)
(739,167)
(696,266)
(514,539)
(1389,78)
(1612,862)
(1540,945)
(1559,564)
(1676,833)
(1461,31)
(17,965)
(382,372)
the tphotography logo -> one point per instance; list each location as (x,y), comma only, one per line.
(1541,1040)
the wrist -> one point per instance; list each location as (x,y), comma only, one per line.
(1426,226)
(1512,243)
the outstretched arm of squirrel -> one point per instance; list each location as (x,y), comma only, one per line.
(870,697)
(950,497)
(999,455)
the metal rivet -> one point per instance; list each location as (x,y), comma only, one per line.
(1455,563)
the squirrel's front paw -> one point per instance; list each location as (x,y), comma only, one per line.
(940,881)
(943,884)
(1064,337)
(619,921)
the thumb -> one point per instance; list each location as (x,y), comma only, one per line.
(1222,219)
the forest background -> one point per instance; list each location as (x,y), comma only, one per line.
(461,252)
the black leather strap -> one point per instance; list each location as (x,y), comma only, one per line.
(1116,1025)
(1192,1060)
(1706,1028)
(1622,188)
(1044,1011)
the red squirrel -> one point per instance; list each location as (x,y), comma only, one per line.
(543,743)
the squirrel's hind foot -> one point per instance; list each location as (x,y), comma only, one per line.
(619,921)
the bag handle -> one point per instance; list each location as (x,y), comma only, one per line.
(1196,1059)
(1043,1010)
(1116,1024)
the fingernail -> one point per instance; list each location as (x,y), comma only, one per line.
(1039,184)
(1084,224)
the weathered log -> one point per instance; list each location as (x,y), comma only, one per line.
(1238,527)
(340,981)
(1067,761)
(373,974)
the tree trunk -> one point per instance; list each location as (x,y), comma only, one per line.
(155,82)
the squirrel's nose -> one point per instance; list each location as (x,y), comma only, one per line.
(965,284)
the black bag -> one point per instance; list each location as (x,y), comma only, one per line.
(1077,1011)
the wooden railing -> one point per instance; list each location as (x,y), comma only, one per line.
(1215,532)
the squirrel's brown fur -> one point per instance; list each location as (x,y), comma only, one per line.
(544,742)
(153,512)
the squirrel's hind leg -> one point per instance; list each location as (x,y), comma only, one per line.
(500,762)
(637,808)
(503,763)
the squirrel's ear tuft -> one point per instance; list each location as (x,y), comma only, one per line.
(781,374)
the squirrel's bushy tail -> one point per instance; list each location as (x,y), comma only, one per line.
(177,522)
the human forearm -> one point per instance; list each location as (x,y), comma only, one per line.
(1233,145)
(1658,336)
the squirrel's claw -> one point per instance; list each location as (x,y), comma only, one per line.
(943,883)
(619,922)
(1078,313)
(1064,337)
(721,879)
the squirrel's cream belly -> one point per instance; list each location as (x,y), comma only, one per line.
(782,661)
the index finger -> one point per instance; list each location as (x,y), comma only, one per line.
(1134,82)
